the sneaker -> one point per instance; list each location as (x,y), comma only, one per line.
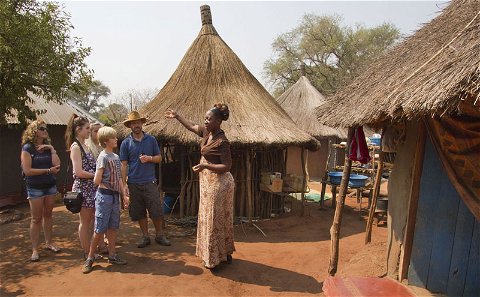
(116,260)
(88,266)
(162,239)
(144,242)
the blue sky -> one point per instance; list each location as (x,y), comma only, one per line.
(138,45)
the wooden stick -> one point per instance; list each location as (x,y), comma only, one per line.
(413,203)
(337,220)
(373,205)
(183,172)
(305,176)
(249,185)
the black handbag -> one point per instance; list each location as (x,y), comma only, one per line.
(72,200)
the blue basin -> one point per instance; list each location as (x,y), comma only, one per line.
(356,180)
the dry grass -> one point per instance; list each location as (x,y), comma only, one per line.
(211,72)
(300,101)
(427,74)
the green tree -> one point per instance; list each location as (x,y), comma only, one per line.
(38,57)
(333,54)
(112,113)
(89,98)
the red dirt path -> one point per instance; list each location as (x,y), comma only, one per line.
(291,261)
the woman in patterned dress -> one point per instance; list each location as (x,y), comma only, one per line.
(215,214)
(83,165)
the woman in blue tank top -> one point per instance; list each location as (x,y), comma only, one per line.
(40,163)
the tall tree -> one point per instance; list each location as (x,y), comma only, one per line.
(333,54)
(112,113)
(89,98)
(38,57)
(137,98)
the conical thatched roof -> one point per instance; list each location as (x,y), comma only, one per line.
(209,73)
(300,101)
(429,73)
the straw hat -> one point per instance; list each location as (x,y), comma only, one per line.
(133,116)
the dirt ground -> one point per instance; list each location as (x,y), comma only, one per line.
(292,260)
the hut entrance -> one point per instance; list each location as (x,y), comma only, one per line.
(446,244)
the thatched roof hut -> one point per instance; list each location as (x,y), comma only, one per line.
(431,84)
(421,76)
(299,102)
(211,72)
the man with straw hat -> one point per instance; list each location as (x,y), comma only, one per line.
(140,152)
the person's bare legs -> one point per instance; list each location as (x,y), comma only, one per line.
(36,212)
(48,203)
(84,231)
(143,223)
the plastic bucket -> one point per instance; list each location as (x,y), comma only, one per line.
(168,204)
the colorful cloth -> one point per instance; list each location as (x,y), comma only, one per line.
(215,217)
(457,141)
(84,185)
(358,147)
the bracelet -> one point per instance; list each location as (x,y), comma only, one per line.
(54,152)
(48,171)
(151,158)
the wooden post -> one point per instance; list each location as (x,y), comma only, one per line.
(337,220)
(373,204)
(305,176)
(183,172)
(249,185)
(325,174)
(413,203)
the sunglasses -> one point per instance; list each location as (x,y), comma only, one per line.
(42,128)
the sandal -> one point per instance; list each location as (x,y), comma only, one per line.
(53,248)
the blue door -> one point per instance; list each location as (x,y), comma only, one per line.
(445,251)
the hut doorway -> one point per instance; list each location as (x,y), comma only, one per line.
(446,243)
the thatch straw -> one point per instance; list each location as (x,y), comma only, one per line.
(427,74)
(210,72)
(300,101)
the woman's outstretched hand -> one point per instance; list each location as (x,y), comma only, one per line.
(170,114)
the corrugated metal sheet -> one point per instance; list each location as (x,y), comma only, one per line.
(56,114)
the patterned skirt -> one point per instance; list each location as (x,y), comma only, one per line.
(215,217)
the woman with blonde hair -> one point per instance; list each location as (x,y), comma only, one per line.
(40,163)
(83,165)
(92,140)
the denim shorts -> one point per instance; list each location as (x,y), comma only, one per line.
(107,211)
(39,193)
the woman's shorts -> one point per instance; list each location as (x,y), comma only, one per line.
(39,193)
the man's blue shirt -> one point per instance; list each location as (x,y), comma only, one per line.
(130,151)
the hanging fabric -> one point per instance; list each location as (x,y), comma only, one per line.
(358,147)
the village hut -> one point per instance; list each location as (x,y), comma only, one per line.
(429,83)
(299,102)
(12,186)
(258,128)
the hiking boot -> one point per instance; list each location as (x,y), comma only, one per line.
(88,266)
(116,260)
(162,239)
(143,242)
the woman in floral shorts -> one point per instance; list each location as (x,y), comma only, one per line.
(83,165)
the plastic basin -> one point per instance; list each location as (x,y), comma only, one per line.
(356,180)
(376,140)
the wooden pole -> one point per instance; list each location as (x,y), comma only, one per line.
(337,220)
(376,190)
(305,176)
(183,172)
(413,203)
(249,185)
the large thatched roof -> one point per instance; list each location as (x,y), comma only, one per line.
(429,73)
(211,72)
(300,101)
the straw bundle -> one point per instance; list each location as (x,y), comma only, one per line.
(429,73)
